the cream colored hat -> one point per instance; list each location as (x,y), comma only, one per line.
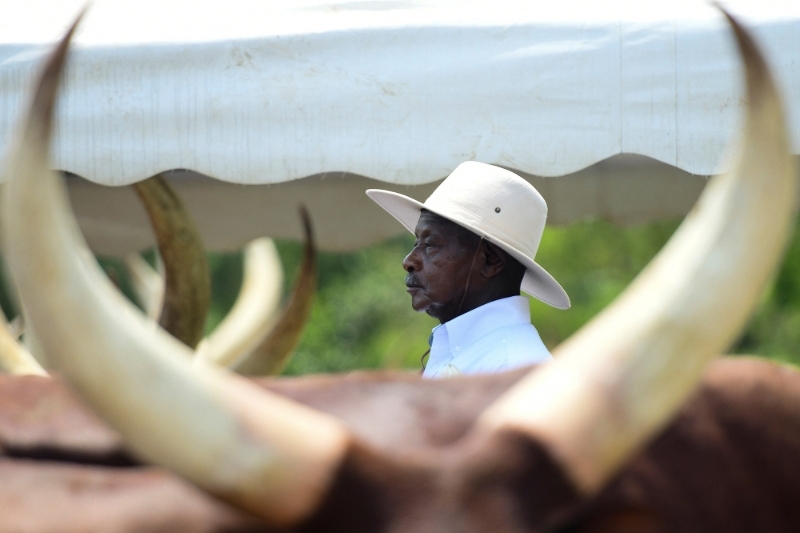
(494,203)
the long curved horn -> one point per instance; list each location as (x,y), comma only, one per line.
(251,340)
(148,284)
(253,314)
(255,449)
(187,290)
(272,354)
(622,377)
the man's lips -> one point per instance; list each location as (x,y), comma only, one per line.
(412,283)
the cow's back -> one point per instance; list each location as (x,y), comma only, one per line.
(730,461)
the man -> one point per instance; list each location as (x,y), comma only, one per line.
(476,239)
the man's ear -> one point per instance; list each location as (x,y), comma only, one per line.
(494,260)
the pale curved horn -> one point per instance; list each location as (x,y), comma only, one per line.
(251,339)
(148,284)
(187,285)
(272,354)
(262,452)
(254,313)
(623,376)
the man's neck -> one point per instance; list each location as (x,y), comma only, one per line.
(474,301)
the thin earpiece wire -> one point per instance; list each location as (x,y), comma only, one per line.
(469,276)
(460,305)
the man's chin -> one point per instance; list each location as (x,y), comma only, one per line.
(420,307)
(420,303)
(433,310)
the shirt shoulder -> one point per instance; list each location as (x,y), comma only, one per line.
(524,346)
(505,349)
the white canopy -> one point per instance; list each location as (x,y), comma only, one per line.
(255,92)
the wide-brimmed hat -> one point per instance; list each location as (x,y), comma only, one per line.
(494,203)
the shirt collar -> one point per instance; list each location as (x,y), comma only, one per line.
(471,326)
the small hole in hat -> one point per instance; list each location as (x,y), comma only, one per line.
(496,209)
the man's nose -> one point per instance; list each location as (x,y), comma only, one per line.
(411,261)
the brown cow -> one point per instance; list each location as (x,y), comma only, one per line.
(728,462)
(625,430)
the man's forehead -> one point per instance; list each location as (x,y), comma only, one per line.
(430,222)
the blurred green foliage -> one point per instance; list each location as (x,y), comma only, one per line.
(774,330)
(362,316)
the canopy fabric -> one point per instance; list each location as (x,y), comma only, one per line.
(230,215)
(255,92)
(249,91)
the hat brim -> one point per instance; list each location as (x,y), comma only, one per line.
(537,282)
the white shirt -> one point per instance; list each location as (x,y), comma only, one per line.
(494,337)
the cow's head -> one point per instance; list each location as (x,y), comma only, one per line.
(551,441)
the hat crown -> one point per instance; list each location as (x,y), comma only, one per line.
(495,203)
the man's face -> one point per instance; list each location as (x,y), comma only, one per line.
(438,266)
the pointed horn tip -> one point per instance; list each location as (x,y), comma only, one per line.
(44,98)
(758,75)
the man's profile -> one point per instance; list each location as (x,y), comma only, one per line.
(476,239)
